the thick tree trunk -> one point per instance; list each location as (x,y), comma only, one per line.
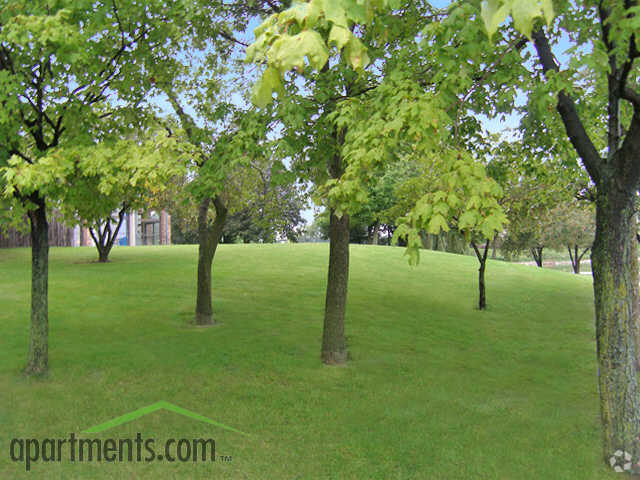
(38,360)
(615,270)
(614,252)
(208,237)
(334,350)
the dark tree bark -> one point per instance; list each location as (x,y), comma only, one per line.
(208,237)
(482,258)
(536,253)
(105,236)
(334,350)
(38,360)
(576,257)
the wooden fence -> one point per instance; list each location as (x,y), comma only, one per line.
(59,236)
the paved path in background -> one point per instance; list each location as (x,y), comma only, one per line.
(555,263)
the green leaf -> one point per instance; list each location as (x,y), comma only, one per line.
(467,220)
(334,12)
(437,224)
(262,92)
(493,14)
(524,12)
(356,53)
(288,52)
(547,9)
(339,36)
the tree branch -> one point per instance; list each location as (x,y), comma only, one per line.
(231,38)
(566,108)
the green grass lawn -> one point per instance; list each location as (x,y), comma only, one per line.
(435,389)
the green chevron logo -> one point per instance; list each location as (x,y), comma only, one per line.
(161,405)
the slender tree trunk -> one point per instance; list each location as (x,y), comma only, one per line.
(573,258)
(106,237)
(375,234)
(334,350)
(536,253)
(208,237)
(426,240)
(615,270)
(494,247)
(482,258)
(455,242)
(38,360)
(576,257)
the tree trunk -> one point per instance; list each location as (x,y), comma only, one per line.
(614,259)
(426,239)
(208,237)
(38,360)
(576,267)
(455,242)
(334,349)
(375,234)
(576,257)
(482,258)
(482,293)
(536,253)
(103,255)
(106,236)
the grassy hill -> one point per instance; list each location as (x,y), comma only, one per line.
(435,389)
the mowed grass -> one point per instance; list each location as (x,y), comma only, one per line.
(434,389)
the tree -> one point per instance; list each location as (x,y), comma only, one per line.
(462,195)
(272,203)
(303,38)
(221,147)
(203,85)
(71,72)
(611,105)
(377,216)
(531,191)
(572,226)
(113,179)
(267,205)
